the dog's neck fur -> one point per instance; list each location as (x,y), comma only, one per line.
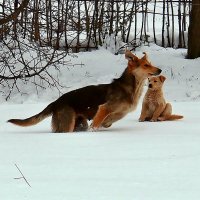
(128,80)
(133,85)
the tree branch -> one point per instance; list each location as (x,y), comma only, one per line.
(22,176)
(14,15)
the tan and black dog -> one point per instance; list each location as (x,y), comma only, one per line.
(154,106)
(104,103)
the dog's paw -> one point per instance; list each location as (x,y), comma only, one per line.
(92,128)
(153,120)
(141,120)
(106,125)
(161,119)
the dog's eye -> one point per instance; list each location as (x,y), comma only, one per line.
(146,65)
(155,81)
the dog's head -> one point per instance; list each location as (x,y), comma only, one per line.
(156,82)
(140,67)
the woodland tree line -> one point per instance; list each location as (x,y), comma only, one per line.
(76,24)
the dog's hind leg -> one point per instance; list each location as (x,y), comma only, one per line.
(166,113)
(81,124)
(63,120)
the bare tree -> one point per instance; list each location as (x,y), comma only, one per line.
(23,61)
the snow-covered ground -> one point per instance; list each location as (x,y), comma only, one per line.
(128,161)
(131,160)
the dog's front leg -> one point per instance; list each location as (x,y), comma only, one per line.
(157,112)
(100,116)
(111,118)
(144,112)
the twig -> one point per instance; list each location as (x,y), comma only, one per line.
(22,175)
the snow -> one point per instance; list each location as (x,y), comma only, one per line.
(128,161)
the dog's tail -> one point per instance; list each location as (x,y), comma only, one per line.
(174,117)
(34,119)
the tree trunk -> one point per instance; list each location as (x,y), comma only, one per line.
(194,31)
(36,22)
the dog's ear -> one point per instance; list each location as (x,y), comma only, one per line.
(130,56)
(162,78)
(145,57)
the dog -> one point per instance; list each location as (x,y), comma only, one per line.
(104,103)
(154,106)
